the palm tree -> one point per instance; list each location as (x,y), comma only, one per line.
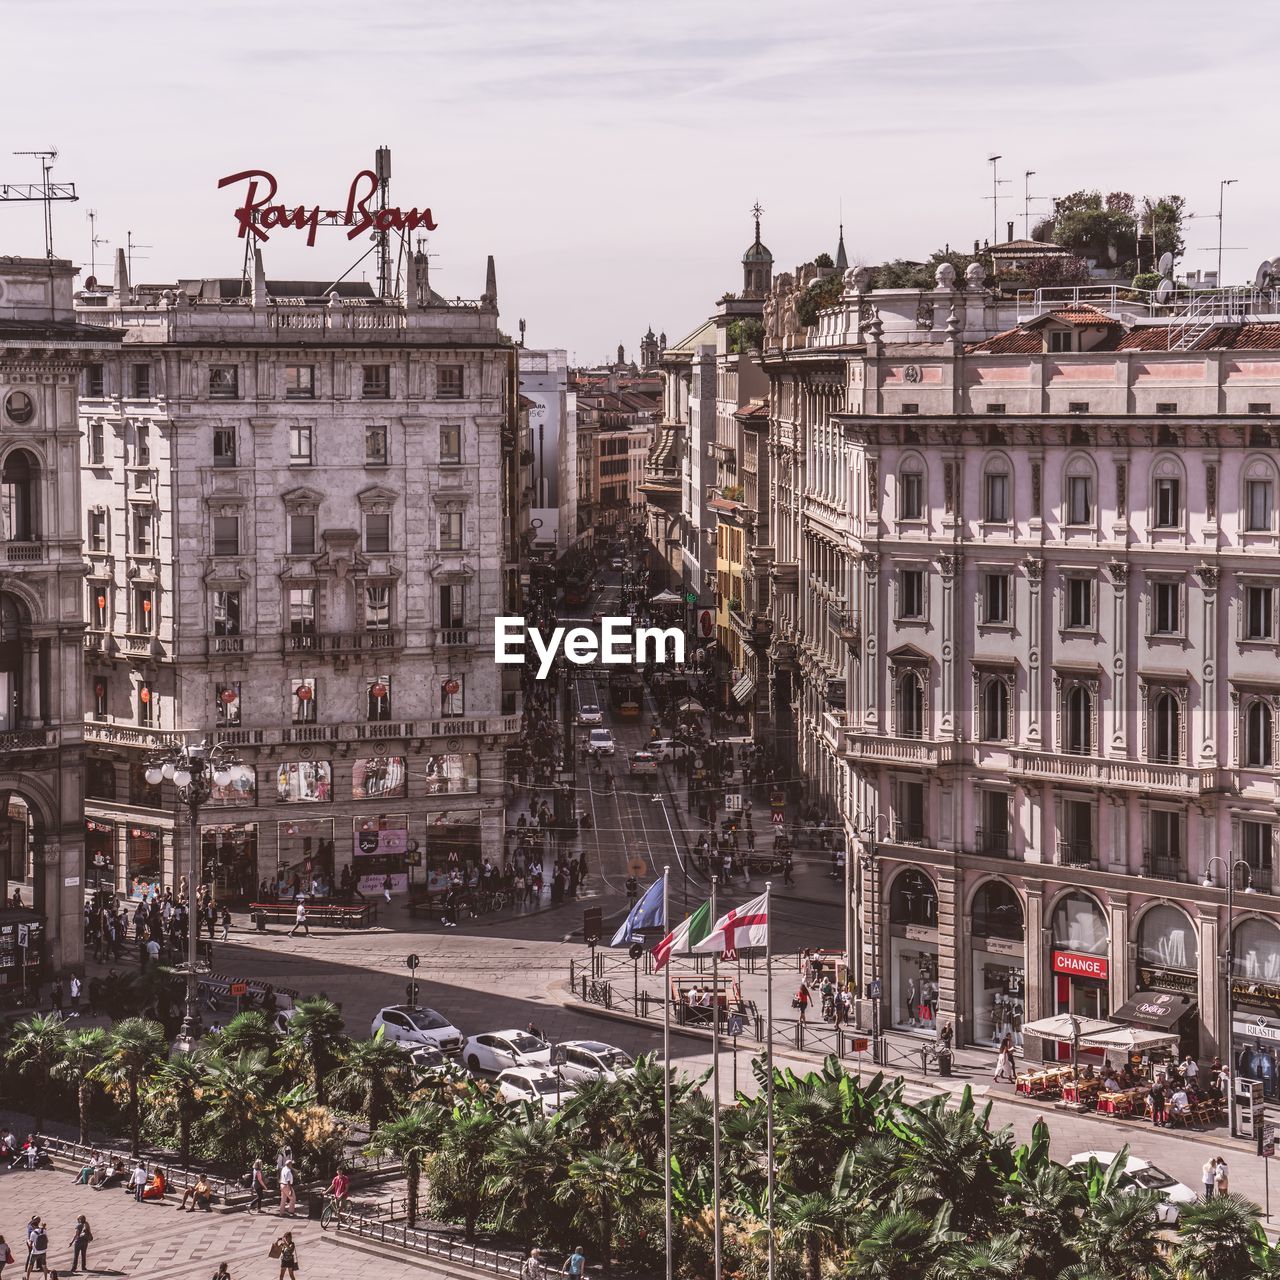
(315,1034)
(525,1161)
(238,1105)
(177,1089)
(460,1164)
(35,1045)
(1119,1239)
(1049,1199)
(246,1032)
(596,1109)
(409,1138)
(135,1048)
(805,1221)
(372,1073)
(601,1185)
(80,1052)
(1218,1239)
(999,1258)
(897,1244)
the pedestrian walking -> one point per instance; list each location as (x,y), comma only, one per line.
(38,1241)
(287,1252)
(531,1268)
(80,1245)
(6,1256)
(138,1180)
(1221,1183)
(801,1000)
(575,1265)
(74,987)
(300,920)
(1209,1175)
(386,887)
(1005,1069)
(288,1197)
(1157,1100)
(257,1187)
(222,1273)
(226,929)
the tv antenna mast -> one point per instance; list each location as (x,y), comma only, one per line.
(94,241)
(130,245)
(45,190)
(1027,198)
(994,197)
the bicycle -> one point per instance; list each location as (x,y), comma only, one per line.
(331,1210)
(600,993)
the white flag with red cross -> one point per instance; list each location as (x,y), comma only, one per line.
(745,926)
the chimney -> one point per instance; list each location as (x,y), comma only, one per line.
(975,247)
(259,281)
(121,289)
(1009,224)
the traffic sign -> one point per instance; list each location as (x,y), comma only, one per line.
(412,960)
(592,925)
(733,802)
(239,988)
(1267,1139)
(777,818)
(691,597)
(637,866)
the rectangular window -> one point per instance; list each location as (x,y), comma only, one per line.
(97,530)
(910,593)
(1166,608)
(1078,406)
(226,535)
(101,696)
(142,527)
(995,408)
(1079,499)
(226,613)
(1166,834)
(224,447)
(303,699)
(908,812)
(226,705)
(909,408)
(143,611)
(299,382)
(996,500)
(300,444)
(224,382)
(1255,844)
(995,597)
(377,697)
(1080,603)
(377,608)
(451,531)
(375,447)
(453,606)
(1168,503)
(1260,406)
(1257,496)
(993,834)
(377,381)
(451,696)
(377,533)
(302,534)
(141,446)
(450,445)
(911,495)
(97,444)
(146,706)
(140,381)
(1166,406)
(95,381)
(1060,339)
(449,382)
(302,611)
(99,606)
(1258,613)
(1075,847)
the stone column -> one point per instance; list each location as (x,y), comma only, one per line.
(31,683)
(1035,645)
(1120,746)
(1038,1003)
(871,638)
(1208,576)
(1119,980)
(1214,1034)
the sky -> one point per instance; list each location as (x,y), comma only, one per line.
(608,152)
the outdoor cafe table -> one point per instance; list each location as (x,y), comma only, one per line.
(1081,1090)
(1037,1082)
(1123,1102)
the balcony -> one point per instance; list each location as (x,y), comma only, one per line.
(97,642)
(339,643)
(1092,771)
(29,740)
(1075,853)
(786,575)
(228,644)
(1165,864)
(501,726)
(300,642)
(833,728)
(909,831)
(24,552)
(310,733)
(384,729)
(992,844)
(122,735)
(882,749)
(846,625)
(136,642)
(454,637)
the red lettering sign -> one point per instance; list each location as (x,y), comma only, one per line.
(257,214)
(1079,965)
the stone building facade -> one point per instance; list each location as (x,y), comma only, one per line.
(1026,624)
(43,351)
(302,515)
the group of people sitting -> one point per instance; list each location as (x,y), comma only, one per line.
(24,1155)
(1174,1090)
(101,1171)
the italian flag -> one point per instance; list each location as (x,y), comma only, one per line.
(684,937)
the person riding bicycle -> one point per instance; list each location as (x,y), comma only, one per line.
(340,1189)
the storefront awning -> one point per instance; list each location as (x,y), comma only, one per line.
(1131,1039)
(1154,1009)
(743,688)
(1064,1026)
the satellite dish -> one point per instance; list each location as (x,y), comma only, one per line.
(1164,291)
(1165,264)
(1263,276)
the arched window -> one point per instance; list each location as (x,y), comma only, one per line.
(1166,494)
(1166,729)
(11,619)
(911,489)
(1255,951)
(1079,924)
(997,491)
(1079,721)
(913,899)
(1167,940)
(17,498)
(1258,500)
(910,706)
(997,912)
(995,710)
(1079,492)
(1257,735)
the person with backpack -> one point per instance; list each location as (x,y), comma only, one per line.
(38,1244)
(575,1265)
(80,1245)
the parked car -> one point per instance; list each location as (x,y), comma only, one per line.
(668,748)
(589,713)
(535,1085)
(498,1050)
(417,1026)
(1142,1175)
(601,742)
(644,762)
(431,1062)
(617,563)
(592,1060)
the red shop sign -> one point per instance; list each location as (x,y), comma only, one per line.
(1080,966)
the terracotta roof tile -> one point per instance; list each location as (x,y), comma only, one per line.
(1080,313)
(1012,342)
(1222,337)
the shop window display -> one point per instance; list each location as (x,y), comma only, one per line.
(999,974)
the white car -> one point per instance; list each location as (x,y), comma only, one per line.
(589,713)
(592,1060)
(498,1050)
(531,1084)
(417,1026)
(601,742)
(668,748)
(431,1062)
(644,762)
(1146,1177)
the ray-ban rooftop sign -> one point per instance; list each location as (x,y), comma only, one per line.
(257,215)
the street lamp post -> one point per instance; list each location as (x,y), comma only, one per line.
(1228,959)
(868,830)
(194,769)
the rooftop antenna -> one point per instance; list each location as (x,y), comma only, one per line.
(994,197)
(94,241)
(1027,198)
(46,191)
(382,171)
(130,245)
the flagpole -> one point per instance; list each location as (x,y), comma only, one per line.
(715,1084)
(768,1054)
(666,1083)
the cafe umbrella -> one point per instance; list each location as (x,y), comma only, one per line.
(1070,1028)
